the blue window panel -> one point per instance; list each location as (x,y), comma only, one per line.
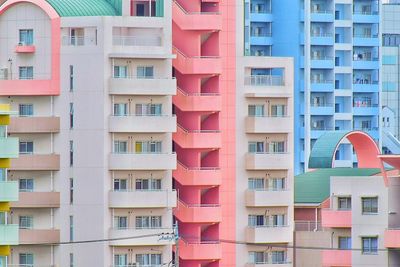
(389,60)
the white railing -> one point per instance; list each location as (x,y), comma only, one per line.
(264,80)
(198,168)
(78,41)
(137,40)
(308,226)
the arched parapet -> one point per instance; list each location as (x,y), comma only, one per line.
(324,149)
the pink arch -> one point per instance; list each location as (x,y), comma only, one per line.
(34,87)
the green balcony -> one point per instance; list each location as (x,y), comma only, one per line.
(9,191)
(9,234)
(9,147)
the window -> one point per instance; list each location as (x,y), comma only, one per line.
(120,71)
(25,110)
(148,184)
(258,257)
(121,109)
(71,78)
(148,222)
(256,110)
(278,184)
(369,245)
(257,220)
(148,147)
(256,147)
(120,260)
(71,115)
(71,190)
(344,242)
(145,72)
(278,220)
(25,185)
(121,222)
(120,184)
(71,153)
(25,222)
(276,147)
(120,147)
(278,257)
(344,203)
(26,147)
(148,259)
(26,73)
(256,184)
(26,259)
(71,228)
(148,109)
(25,37)
(71,260)
(369,205)
(278,110)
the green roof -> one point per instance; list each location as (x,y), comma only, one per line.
(82,8)
(324,149)
(314,187)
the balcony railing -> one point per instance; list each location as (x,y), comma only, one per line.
(137,40)
(315,34)
(361,35)
(261,34)
(199,168)
(194,13)
(264,80)
(78,41)
(308,226)
(365,13)
(317,105)
(321,58)
(318,81)
(321,11)
(322,128)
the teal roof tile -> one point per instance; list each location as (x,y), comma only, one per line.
(83,8)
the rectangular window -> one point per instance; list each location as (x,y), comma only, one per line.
(71,228)
(148,184)
(148,259)
(121,109)
(258,257)
(369,205)
(25,37)
(278,110)
(120,260)
(149,222)
(148,147)
(256,147)
(71,260)
(120,222)
(256,110)
(369,245)
(71,78)
(26,73)
(344,242)
(278,257)
(145,72)
(120,185)
(120,71)
(120,147)
(25,185)
(344,203)
(71,190)
(148,109)
(257,220)
(278,184)
(26,147)
(25,222)
(26,259)
(71,115)
(256,184)
(278,220)
(276,147)
(71,153)
(25,110)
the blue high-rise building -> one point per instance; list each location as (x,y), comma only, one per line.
(336,49)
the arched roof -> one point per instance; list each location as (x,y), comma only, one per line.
(81,8)
(323,152)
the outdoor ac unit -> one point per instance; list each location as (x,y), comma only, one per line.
(3,73)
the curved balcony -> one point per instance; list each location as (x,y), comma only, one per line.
(268,198)
(202,250)
(37,200)
(196,64)
(143,199)
(337,258)
(199,213)
(142,161)
(38,236)
(138,86)
(269,234)
(336,218)
(142,124)
(155,240)
(268,161)
(36,162)
(197,102)
(192,21)
(201,176)
(9,147)
(34,125)
(269,124)
(9,234)
(197,139)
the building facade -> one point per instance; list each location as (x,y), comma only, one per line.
(336,51)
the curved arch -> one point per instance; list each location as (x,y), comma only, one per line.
(324,149)
(44,5)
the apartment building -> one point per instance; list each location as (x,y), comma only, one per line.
(92,84)
(336,51)
(8,189)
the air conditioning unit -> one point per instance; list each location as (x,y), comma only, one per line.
(3,73)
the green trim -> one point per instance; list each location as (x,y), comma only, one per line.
(85,8)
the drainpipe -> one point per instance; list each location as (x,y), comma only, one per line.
(316,220)
(332,239)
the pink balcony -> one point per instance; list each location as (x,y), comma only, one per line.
(200,250)
(197,139)
(336,218)
(196,20)
(25,49)
(29,87)
(34,125)
(336,258)
(196,64)
(37,200)
(197,102)
(392,238)
(38,236)
(197,176)
(198,213)
(35,162)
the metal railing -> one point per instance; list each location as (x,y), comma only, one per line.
(308,226)
(314,34)
(187,205)
(321,11)
(137,40)
(187,131)
(360,35)
(198,168)
(78,41)
(194,13)
(321,81)
(264,80)
(196,94)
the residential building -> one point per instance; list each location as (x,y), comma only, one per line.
(336,51)
(92,84)
(9,233)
